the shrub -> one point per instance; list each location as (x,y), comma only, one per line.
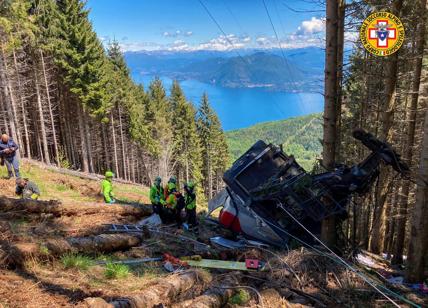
(116,271)
(240,298)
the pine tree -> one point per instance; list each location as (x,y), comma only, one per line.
(187,149)
(159,118)
(214,146)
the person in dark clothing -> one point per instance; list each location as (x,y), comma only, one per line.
(8,150)
(27,189)
(190,204)
(174,204)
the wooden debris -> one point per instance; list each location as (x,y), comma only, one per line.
(164,291)
(212,298)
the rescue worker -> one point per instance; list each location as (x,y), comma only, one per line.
(107,188)
(8,150)
(27,189)
(173,180)
(190,204)
(157,197)
(174,204)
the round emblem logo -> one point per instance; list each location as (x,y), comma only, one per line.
(382,33)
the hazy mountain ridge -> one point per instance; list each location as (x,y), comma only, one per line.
(301,72)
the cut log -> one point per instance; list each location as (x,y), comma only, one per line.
(95,302)
(212,298)
(18,253)
(165,290)
(57,209)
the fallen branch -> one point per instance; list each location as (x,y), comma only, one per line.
(165,290)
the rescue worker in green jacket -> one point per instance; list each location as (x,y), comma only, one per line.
(190,204)
(174,203)
(172,180)
(107,188)
(27,189)
(157,197)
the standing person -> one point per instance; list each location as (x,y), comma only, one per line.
(172,180)
(27,189)
(190,204)
(174,204)
(157,197)
(8,150)
(107,188)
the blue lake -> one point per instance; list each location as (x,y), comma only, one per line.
(238,108)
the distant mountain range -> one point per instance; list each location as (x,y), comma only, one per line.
(300,136)
(299,70)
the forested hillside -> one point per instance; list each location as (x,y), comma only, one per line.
(299,136)
(388,97)
(68,101)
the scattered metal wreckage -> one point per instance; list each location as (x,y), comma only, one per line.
(268,197)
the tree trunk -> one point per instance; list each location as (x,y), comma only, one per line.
(113,137)
(122,144)
(10,100)
(328,230)
(387,118)
(27,150)
(42,121)
(419,227)
(83,147)
(408,154)
(51,116)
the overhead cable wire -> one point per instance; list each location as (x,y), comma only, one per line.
(343,262)
(221,29)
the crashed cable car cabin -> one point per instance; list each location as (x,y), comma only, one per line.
(267,191)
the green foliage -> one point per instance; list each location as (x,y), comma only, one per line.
(78,261)
(44,250)
(214,145)
(187,147)
(240,298)
(116,271)
(63,161)
(299,136)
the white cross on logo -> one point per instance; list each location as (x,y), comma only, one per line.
(374,33)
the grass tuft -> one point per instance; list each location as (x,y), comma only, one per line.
(240,298)
(76,261)
(116,271)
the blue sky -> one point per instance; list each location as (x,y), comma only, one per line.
(185,25)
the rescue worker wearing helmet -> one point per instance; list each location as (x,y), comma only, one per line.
(172,180)
(157,196)
(190,204)
(107,188)
(174,203)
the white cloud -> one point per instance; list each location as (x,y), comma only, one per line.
(177,33)
(313,26)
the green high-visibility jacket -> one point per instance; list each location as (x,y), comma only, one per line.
(190,200)
(107,190)
(171,201)
(156,195)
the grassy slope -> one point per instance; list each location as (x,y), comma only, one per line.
(300,137)
(69,189)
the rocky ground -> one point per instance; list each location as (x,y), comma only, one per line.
(51,250)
